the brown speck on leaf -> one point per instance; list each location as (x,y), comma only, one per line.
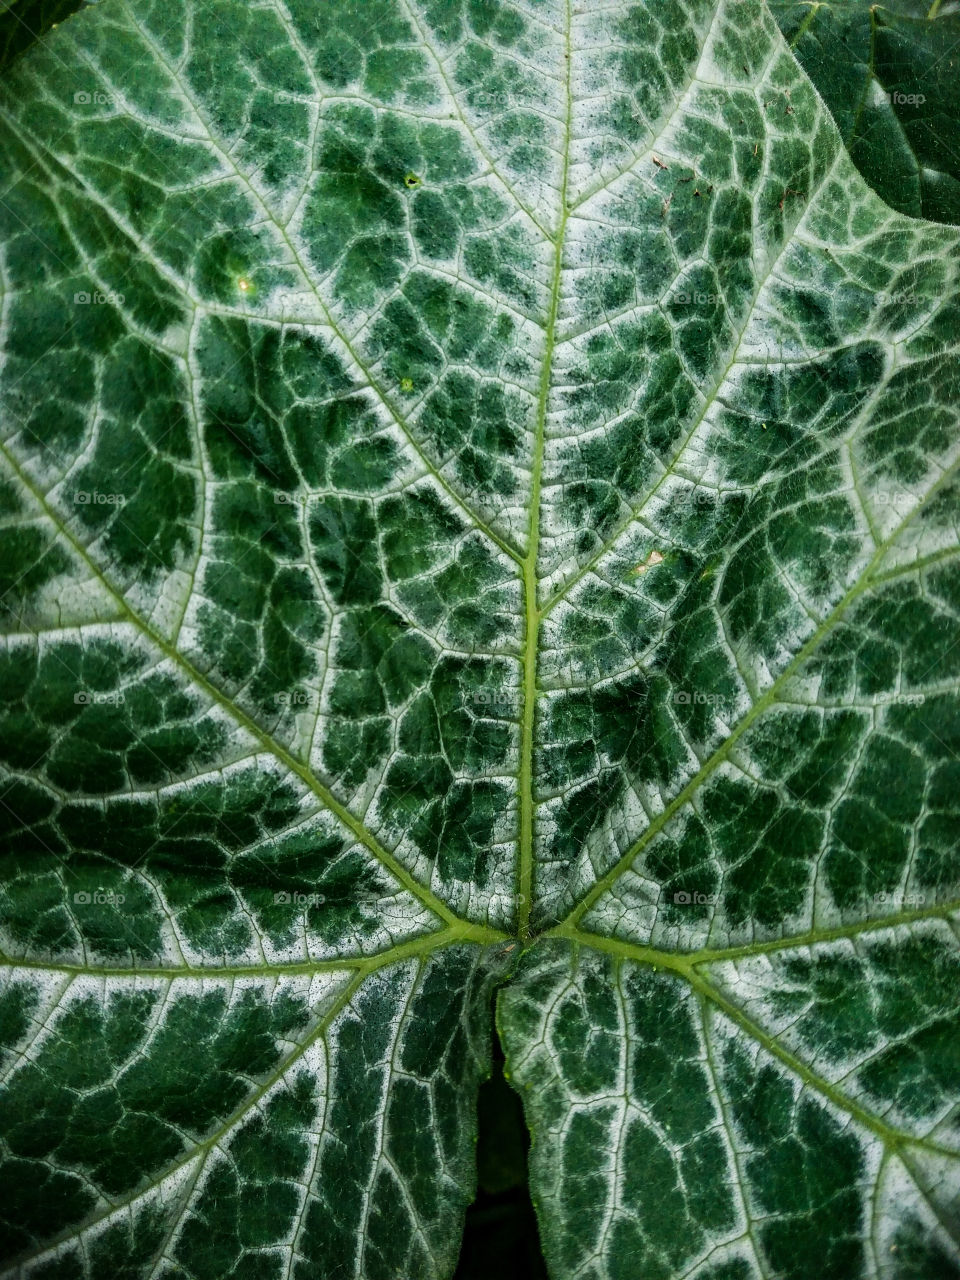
(655,557)
(659,163)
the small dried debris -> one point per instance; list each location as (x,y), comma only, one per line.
(788,191)
(655,557)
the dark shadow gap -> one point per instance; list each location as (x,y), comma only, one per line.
(500,1238)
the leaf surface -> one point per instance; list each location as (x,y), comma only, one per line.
(24,21)
(889,74)
(479,486)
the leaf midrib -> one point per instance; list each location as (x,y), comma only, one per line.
(531,602)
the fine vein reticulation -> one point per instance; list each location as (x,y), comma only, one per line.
(478,490)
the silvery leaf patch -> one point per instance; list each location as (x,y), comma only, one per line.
(479,512)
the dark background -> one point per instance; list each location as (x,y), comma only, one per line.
(500,1239)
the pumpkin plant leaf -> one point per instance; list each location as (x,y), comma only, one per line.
(479,509)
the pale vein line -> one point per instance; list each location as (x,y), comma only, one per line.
(740,1182)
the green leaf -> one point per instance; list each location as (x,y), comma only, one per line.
(478,510)
(24,21)
(890,74)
